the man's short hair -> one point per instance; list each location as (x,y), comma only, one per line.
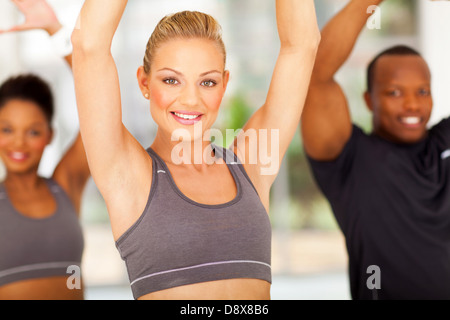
(400,50)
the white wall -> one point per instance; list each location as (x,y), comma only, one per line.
(9,60)
(435,44)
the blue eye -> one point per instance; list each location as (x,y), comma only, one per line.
(209,83)
(170,81)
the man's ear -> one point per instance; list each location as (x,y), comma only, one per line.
(368,100)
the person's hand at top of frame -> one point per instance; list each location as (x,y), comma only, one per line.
(38,15)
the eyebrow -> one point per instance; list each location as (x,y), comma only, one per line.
(208,72)
(396,84)
(34,124)
(180,74)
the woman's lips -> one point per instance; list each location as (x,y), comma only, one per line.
(186,118)
(17,156)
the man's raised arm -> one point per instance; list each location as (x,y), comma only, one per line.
(326,124)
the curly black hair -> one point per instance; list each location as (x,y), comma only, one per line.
(28,87)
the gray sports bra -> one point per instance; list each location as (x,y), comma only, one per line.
(37,248)
(178,241)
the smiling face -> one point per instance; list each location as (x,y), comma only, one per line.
(400,98)
(24,134)
(185,86)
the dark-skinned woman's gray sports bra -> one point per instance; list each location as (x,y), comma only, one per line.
(178,241)
(39,248)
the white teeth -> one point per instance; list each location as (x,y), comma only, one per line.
(186,116)
(18,155)
(410,120)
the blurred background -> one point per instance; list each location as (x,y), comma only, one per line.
(308,254)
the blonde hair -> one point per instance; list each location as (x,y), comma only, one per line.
(183,25)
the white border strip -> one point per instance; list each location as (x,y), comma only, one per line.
(199,266)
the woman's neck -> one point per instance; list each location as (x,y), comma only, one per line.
(22,181)
(197,152)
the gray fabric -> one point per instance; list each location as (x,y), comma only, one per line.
(36,248)
(177,241)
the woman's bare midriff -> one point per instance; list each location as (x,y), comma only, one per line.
(53,288)
(233,289)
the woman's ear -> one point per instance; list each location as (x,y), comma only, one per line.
(50,138)
(226,78)
(143,81)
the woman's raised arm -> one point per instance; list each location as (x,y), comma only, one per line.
(299,39)
(110,148)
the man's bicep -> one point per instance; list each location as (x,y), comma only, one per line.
(326,124)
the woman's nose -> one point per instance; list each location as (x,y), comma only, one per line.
(19,139)
(189,96)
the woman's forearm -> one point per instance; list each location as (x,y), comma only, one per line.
(297,24)
(97,23)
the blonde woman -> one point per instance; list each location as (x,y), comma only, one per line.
(195,229)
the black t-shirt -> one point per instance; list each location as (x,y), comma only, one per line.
(392,203)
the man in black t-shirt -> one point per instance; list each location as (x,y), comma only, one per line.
(390,190)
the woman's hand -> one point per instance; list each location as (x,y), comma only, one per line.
(38,15)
